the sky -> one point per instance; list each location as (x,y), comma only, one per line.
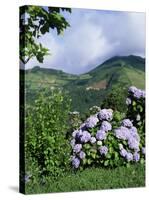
(94,36)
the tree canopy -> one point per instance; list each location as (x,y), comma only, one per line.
(36,21)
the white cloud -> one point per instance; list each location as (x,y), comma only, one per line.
(94,36)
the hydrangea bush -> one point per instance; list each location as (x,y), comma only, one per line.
(109,138)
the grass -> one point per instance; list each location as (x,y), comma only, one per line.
(93,179)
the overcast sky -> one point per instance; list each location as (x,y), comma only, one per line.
(93,37)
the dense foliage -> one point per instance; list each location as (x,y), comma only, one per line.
(47,149)
(35,21)
(58,141)
(108,138)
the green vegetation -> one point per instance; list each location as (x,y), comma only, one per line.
(117,73)
(51,96)
(92,179)
(36,21)
(46,124)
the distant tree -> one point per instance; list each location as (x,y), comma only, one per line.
(35,21)
(116,99)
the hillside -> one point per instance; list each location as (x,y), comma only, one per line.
(90,88)
(122,70)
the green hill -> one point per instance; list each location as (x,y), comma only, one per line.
(122,70)
(90,88)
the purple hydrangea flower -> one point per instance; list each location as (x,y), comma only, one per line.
(79,134)
(106,126)
(93,140)
(77,148)
(143,94)
(122,133)
(75,162)
(82,155)
(127,123)
(133,143)
(91,121)
(85,137)
(83,126)
(128,101)
(129,156)
(136,156)
(137,93)
(105,114)
(103,150)
(123,152)
(143,150)
(134,133)
(101,135)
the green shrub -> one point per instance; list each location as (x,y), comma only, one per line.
(47,149)
(111,139)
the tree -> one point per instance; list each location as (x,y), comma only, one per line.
(36,21)
(116,99)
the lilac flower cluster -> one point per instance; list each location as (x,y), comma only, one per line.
(105,114)
(127,123)
(130,156)
(77,148)
(106,126)
(93,140)
(103,150)
(129,134)
(84,135)
(101,135)
(75,162)
(92,121)
(137,93)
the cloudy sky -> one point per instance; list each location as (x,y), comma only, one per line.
(93,37)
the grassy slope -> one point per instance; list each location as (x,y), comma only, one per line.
(124,70)
(94,179)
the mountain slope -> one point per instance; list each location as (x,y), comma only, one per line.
(90,88)
(119,70)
